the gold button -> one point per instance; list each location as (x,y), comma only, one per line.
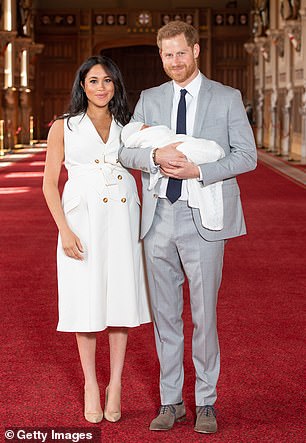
(97,160)
(105,200)
(119,177)
(123,200)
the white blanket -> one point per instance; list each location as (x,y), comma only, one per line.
(208,199)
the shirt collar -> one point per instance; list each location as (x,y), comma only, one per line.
(192,88)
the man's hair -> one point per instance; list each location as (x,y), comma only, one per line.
(175,28)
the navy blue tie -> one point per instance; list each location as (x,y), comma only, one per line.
(174,187)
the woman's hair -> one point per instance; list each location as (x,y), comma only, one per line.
(118,106)
(175,28)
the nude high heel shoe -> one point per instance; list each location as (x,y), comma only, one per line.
(111,416)
(91,417)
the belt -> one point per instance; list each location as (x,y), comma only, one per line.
(106,169)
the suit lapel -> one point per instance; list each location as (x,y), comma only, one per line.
(165,105)
(204,98)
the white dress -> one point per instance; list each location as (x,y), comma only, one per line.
(101,204)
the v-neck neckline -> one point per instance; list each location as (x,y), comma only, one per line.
(96,131)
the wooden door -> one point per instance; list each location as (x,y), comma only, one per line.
(140,66)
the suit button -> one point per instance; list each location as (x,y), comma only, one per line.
(123,200)
(155,195)
(97,160)
(105,200)
(119,177)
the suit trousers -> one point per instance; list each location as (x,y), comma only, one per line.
(174,248)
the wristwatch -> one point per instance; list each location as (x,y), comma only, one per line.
(154,156)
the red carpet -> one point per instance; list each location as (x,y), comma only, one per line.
(260,325)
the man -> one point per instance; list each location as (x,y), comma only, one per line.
(175,239)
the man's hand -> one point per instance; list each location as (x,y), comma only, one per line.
(167,154)
(173,163)
(181,169)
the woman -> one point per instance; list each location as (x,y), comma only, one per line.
(101,279)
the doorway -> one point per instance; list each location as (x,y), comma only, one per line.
(141,68)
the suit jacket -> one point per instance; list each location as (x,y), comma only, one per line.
(220,116)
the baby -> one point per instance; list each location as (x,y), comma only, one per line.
(208,199)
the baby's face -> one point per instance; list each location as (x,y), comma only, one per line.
(144,127)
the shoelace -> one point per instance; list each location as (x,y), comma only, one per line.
(207,410)
(164,408)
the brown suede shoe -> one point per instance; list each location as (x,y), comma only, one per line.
(206,422)
(167,416)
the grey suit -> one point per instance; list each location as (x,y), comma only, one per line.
(175,238)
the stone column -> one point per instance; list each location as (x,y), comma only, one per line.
(10,104)
(259,118)
(279,42)
(34,50)
(286,109)
(24,94)
(9,95)
(287,121)
(5,38)
(263,54)
(273,35)
(303,104)
(25,109)
(303,113)
(273,130)
(293,29)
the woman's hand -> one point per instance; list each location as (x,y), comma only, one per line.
(71,244)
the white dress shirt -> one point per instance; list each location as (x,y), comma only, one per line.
(191,97)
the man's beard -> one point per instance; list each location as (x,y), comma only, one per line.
(181,75)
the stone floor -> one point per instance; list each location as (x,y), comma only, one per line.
(294,170)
